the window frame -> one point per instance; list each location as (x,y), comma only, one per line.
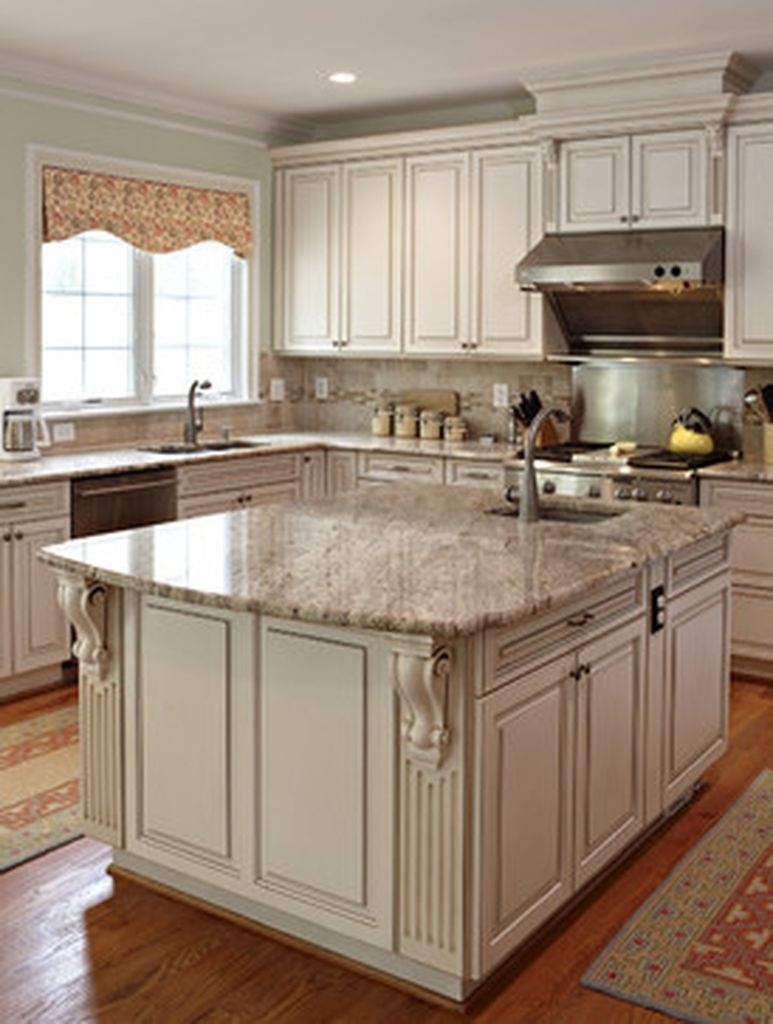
(247,314)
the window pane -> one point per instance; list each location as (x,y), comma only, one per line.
(208,325)
(62,321)
(106,374)
(61,374)
(62,266)
(171,321)
(107,323)
(171,372)
(108,263)
(170,273)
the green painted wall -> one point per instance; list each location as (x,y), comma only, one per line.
(59,119)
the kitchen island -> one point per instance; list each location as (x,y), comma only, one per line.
(393,724)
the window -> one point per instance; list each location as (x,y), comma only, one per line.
(122,324)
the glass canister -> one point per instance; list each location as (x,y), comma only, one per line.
(455,429)
(381,421)
(430,425)
(406,421)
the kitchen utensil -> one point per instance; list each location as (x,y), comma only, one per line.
(753,400)
(691,433)
(767,400)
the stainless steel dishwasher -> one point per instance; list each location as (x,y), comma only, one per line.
(119,501)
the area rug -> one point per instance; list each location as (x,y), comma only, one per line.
(39,785)
(701,948)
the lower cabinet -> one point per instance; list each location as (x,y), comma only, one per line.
(340,472)
(229,485)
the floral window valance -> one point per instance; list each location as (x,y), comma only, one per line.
(150,215)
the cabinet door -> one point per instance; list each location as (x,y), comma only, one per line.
(7,602)
(310,247)
(525,835)
(372,255)
(749,252)
(341,472)
(697,683)
(506,223)
(41,633)
(610,747)
(669,180)
(313,475)
(208,504)
(594,176)
(437,259)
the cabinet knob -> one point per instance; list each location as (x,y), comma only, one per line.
(465,345)
(624,219)
(19,535)
(7,538)
(635,218)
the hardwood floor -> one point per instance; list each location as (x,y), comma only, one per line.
(78,946)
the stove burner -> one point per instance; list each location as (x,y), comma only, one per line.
(666,459)
(568,450)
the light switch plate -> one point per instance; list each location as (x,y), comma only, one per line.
(500,396)
(277,389)
(321,389)
(61,432)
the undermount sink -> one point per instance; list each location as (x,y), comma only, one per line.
(186,448)
(561,515)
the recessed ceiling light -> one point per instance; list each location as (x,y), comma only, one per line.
(342,77)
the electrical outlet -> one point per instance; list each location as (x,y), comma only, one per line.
(62,432)
(320,389)
(277,389)
(500,396)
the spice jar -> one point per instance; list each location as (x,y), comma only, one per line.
(406,421)
(381,421)
(430,425)
(455,429)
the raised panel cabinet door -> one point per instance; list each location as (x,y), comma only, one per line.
(6,600)
(526,834)
(506,223)
(372,256)
(313,483)
(341,472)
(749,244)
(697,683)
(610,747)
(595,184)
(311,258)
(438,253)
(669,180)
(41,632)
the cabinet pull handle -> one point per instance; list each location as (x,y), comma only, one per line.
(397,469)
(584,670)
(479,476)
(12,504)
(580,620)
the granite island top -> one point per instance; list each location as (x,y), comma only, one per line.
(418,559)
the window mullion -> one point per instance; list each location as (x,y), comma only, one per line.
(143,333)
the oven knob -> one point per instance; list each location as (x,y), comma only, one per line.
(623,493)
(548,487)
(665,496)
(594,491)
(639,494)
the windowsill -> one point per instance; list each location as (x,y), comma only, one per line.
(59,413)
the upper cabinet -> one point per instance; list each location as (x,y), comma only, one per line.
(749,245)
(412,254)
(339,251)
(657,180)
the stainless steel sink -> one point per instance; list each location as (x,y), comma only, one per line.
(561,515)
(186,448)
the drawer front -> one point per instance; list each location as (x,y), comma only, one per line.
(754,499)
(233,501)
(752,618)
(753,553)
(39,501)
(416,468)
(690,565)
(511,651)
(240,473)
(470,473)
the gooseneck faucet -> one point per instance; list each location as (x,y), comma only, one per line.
(528,509)
(194,419)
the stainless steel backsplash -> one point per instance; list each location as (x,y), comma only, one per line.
(638,401)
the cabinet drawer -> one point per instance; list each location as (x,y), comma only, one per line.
(689,565)
(34,502)
(237,474)
(381,466)
(471,473)
(233,501)
(754,499)
(509,651)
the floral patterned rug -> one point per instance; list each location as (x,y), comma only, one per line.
(701,948)
(39,785)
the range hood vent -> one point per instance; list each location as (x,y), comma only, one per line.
(618,292)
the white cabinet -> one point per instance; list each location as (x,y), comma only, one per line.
(657,180)
(231,484)
(313,483)
(382,467)
(339,267)
(752,569)
(340,472)
(33,631)
(749,245)
(475,473)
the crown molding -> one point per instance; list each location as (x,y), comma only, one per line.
(41,81)
(751,109)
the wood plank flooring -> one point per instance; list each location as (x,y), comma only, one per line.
(78,946)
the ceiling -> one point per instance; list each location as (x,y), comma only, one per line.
(257,62)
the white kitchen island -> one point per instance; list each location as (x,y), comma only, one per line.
(392,724)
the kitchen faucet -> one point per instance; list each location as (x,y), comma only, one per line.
(528,511)
(194,422)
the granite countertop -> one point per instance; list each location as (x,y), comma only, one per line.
(419,559)
(69,465)
(746,469)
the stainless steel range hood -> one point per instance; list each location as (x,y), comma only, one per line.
(624,292)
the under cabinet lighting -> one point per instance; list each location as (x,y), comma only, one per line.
(342,77)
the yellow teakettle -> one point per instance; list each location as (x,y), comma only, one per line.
(691,433)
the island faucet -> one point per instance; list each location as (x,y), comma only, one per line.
(194,420)
(528,510)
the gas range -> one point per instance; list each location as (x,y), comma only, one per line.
(589,470)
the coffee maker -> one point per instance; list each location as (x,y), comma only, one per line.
(23,432)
